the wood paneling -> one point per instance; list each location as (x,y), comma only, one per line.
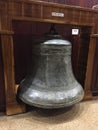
(83,54)
(8,60)
(94,85)
(2,90)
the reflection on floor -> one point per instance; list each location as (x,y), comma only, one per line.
(82,116)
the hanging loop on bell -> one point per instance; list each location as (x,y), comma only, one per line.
(53,30)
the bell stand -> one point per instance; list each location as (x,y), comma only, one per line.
(22,10)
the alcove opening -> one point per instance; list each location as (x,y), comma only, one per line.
(25,32)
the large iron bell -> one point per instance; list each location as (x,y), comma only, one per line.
(51,83)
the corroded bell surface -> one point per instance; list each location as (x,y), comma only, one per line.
(51,83)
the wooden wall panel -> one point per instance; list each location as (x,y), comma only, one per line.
(2,97)
(95,72)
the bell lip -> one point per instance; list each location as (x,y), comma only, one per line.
(54,105)
(49,105)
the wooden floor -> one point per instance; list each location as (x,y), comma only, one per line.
(82,116)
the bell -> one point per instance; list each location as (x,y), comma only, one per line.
(51,82)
